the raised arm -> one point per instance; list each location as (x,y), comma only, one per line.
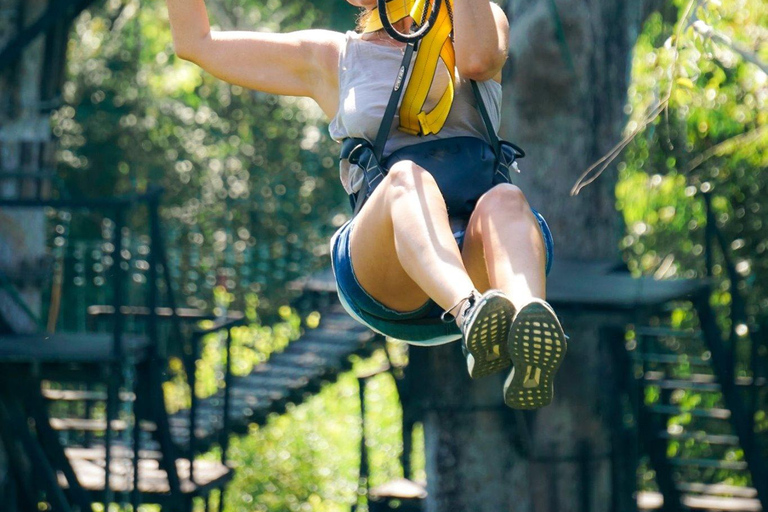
(303,63)
(481,38)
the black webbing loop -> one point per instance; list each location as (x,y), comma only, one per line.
(407,38)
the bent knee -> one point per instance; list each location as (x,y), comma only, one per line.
(505,198)
(405,176)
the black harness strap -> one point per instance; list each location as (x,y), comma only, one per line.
(394,99)
(368,156)
(496,143)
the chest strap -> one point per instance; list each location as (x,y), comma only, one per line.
(435,45)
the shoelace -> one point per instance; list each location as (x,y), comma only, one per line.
(472,298)
(436,45)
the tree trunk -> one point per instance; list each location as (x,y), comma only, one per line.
(478,454)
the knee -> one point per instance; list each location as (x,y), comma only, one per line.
(505,199)
(406,177)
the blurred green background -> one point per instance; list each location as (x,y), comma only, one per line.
(253,196)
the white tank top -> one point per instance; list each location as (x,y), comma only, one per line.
(367,72)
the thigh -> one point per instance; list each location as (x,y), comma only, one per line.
(474,251)
(374,257)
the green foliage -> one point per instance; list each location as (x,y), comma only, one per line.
(251,180)
(309,458)
(712,138)
(710,72)
(252,197)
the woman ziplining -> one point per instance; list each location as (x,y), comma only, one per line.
(441,246)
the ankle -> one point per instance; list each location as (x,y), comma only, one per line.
(462,312)
(460,308)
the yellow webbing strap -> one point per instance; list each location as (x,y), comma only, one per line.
(435,45)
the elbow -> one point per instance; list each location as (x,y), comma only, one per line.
(185,52)
(481,67)
(189,49)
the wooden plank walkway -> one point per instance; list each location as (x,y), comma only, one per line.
(654,501)
(291,376)
(88,464)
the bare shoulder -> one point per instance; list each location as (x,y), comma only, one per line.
(324,50)
(499,15)
(502,26)
(324,41)
(327,46)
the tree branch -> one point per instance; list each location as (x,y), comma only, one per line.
(602,164)
(748,55)
(728,146)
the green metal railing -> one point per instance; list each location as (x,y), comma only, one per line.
(134,296)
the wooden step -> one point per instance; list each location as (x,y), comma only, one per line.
(220,324)
(400,489)
(673,410)
(96,425)
(305,360)
(183,313)
(322,349)
(653,377)
(289,371)
(702,437)
(671,359)
(243,387)
(287,377)
(117,451)
(736,465)
(71,395)
(270,381)
(694,383)
(341,334)
(660,332)
(654,500)
(153,480)
(717,489)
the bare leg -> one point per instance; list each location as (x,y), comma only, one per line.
(504,247)
(402,248)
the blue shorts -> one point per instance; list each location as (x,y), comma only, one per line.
(404,325)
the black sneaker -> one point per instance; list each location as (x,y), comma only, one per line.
(536,345)
(485,325)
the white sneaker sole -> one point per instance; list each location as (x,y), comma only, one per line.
(537,346)
(486,339)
